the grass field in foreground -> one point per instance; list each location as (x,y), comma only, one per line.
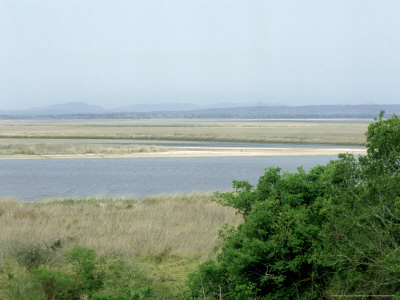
(323,132)
(158,239)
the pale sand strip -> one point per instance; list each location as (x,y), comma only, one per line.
(207,152)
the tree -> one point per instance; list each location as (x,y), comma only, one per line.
(308,235)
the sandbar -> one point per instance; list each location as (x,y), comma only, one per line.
(177,152)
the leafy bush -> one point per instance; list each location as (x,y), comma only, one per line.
(85,265)
(271,253)
(209,281)
(85,279)
(57,284)
(22,287)
(32,256)
(310,235)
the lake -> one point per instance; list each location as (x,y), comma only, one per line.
(37,179)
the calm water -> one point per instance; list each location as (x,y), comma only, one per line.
(35,180)
(207,144)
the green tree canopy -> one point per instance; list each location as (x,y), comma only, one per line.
(334,230)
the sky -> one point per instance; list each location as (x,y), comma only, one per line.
(116,53)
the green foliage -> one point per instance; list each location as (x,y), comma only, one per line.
(125,281)
(334,230)
(23,287)
(209,281)
(7,267)
(32,256)
(57,284)
(271,253)
(85,279)
(144,293)
(361,235)
(241,199)
(383,138)
(85,265)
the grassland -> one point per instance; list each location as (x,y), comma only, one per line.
(133,137)
(274,132)
(47,147)
(163,238)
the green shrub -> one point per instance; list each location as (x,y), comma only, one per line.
(23,287)
(271,253)
(209,281)
(86,268)
(32,256)
(334,230)
(57,284)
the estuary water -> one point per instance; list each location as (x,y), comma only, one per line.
(38,179)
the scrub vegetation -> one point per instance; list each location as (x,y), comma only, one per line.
(145,245)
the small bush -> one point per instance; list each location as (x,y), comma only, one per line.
(23,287)
(86,268)
(209,281)
(32,256)
(57,284)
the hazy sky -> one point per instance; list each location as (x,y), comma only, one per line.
(116,52)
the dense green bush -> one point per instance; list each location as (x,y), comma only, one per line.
(334,230)
(86,270)
(22,287)
(57,284)
(82,275)
(81,278)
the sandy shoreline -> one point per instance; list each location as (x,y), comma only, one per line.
(177,152)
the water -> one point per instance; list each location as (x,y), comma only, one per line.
(35,180)
(216,144)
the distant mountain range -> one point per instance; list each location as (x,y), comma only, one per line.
(306,111)
(84,108)
(182,110)
(157,107)
(58,109)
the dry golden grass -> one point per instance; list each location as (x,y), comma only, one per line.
(278,132)
(158,240)
(66,149)
(174,226)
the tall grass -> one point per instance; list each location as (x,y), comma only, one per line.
(59,149)
(146,243)
(180,225)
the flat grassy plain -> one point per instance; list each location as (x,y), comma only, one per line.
(323,132)
(161,239)
(128,137)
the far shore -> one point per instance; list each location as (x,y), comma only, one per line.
(178,152)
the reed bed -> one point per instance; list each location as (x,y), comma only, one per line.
(172,226)
(66,149)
